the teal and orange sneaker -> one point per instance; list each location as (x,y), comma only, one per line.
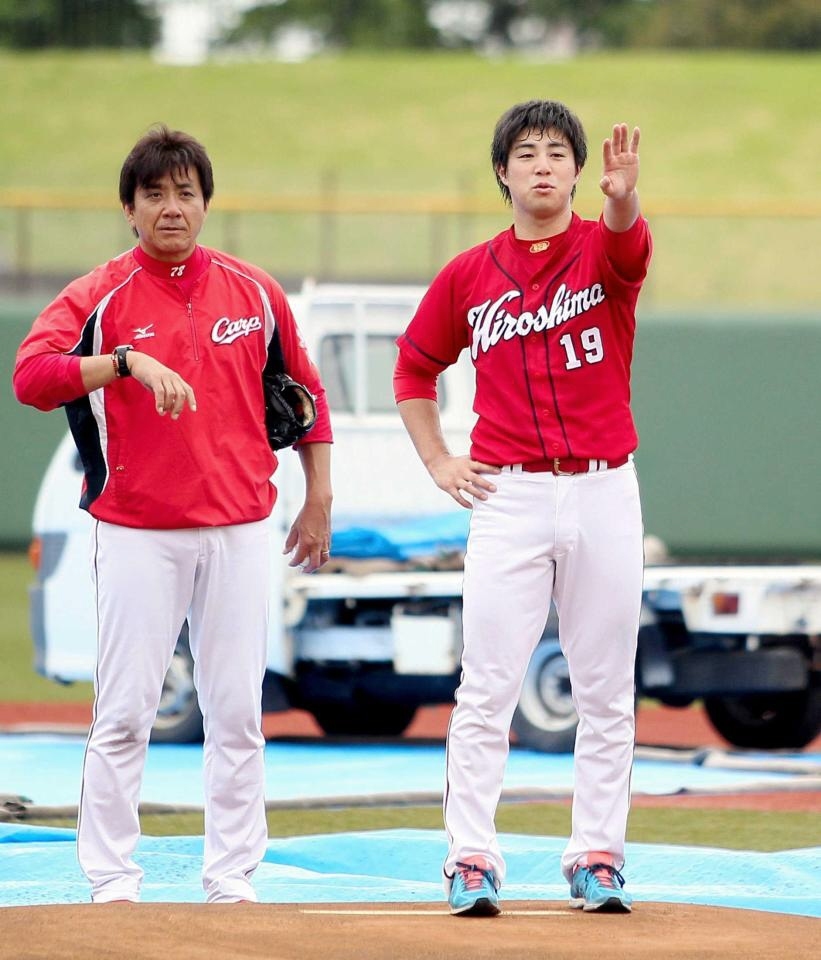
(473,891)
(599,886)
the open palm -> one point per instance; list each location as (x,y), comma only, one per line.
(620,168)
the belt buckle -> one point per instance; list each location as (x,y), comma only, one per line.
(557,471)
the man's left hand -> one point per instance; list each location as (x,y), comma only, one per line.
(309,538)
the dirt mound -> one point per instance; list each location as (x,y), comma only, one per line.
(397,931)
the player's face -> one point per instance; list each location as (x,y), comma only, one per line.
(540,174)
(168,215)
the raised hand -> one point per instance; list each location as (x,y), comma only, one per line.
(620,167)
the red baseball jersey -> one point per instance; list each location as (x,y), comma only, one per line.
(550,329)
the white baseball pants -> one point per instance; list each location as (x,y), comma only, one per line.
(579,540)
(147,582)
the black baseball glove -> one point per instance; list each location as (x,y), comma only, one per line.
(290,410)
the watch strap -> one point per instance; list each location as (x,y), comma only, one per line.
(120,362)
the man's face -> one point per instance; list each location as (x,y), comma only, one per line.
(540,174)
(168,215)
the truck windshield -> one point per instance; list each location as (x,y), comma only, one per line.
(358,373)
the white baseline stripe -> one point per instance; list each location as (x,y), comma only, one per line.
(436,913)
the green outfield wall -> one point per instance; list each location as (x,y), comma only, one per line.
(29,436)
(728,410)
(729,415)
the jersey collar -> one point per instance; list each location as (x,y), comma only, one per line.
(186,271)
(545,246)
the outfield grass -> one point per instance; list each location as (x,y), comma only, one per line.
(717,126)
(726,828)
(722,132)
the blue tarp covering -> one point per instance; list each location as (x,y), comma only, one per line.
(46,769)
(39,866)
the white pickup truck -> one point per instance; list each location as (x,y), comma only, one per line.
(376,634)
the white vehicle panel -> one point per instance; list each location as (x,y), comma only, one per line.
(376,473)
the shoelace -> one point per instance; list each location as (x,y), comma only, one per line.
(606,874)
(473,875)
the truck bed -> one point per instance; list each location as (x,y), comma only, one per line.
(422,557)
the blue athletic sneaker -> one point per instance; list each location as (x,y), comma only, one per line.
(599,886)
(473,891)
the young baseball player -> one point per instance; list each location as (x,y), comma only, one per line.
(547,311)
(157,357)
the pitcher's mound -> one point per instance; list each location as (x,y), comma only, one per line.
(525,930)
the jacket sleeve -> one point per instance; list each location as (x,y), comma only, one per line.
(47,367)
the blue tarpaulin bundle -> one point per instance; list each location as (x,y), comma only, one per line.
(403,540)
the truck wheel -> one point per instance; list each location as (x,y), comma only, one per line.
(363,720)
(767,722)
(178,718)
(545,718)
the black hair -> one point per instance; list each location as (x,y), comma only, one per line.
(540,116)
(162,151)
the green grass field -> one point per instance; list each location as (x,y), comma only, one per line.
(726,133)
(717,126)
(728,829)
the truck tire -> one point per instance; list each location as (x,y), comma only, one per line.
(545,718)
(767,722)
(363,720)
(179,719)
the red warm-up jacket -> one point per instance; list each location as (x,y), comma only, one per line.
(214,320)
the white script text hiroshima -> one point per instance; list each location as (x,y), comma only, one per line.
(492,322)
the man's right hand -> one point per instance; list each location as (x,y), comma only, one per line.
(458,476)
(171,392)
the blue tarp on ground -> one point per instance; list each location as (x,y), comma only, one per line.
(46,769)
(39,866)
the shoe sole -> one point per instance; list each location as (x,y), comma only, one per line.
(611,905)
(480,908)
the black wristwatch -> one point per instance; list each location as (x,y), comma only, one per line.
(120,363)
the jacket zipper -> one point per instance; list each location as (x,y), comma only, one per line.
(193,330)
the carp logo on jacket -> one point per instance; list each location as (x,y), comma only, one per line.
(226,330)
(492,321)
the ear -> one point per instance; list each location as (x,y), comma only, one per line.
(501,173)
(128,213)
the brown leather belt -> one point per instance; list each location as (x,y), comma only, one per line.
(561,466)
